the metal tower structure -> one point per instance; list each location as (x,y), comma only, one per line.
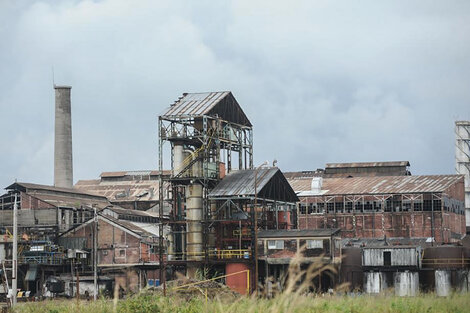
(462,160)
(208,135)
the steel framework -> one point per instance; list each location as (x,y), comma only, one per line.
(207,141)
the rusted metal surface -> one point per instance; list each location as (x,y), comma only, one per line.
(38,188)
(242,184)
(195,104)
(380,185)
(367,164)
(295,233)
(128,190)
(192,105)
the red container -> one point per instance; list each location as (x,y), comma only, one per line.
(237,282)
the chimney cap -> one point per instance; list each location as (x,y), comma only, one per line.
(62,87)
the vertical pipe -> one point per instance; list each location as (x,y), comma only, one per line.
(14,279)
(95,254)
(63,165)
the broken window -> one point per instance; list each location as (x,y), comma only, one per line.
(275,244)
(314,244)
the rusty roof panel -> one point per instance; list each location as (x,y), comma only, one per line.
(242,183)
(126,190)
(195,104)
(296,233)
(380,185)
(367,164)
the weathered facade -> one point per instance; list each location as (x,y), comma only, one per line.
(127,250)
(385,206)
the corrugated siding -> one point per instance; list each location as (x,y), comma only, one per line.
(399,257)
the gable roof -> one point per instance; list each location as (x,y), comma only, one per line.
(61,197)
(127,226)
(270,184)
(221,103)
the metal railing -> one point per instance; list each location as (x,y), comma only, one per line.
(213,254)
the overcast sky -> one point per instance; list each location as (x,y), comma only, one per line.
(321,81)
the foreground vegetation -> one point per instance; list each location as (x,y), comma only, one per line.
(284,303)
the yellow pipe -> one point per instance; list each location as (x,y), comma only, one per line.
(211,279)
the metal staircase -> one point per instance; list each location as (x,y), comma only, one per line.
(193,158)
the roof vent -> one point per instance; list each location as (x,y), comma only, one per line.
(316,185)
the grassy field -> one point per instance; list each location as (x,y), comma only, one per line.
(284,303)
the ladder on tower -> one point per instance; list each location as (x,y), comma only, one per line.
(194,157)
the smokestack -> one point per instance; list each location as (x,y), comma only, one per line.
(63,167)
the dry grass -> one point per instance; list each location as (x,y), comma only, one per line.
(294,298)
(283,303)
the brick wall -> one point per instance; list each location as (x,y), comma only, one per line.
(447,225)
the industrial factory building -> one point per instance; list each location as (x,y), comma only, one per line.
(208,208)
(384,206)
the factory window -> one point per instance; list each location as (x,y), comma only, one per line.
(406,205)
(330,207)
(418,206)
(368,207)
(314,244)
(122,252)
(377,206)
(276,244)
(303,208)
(339,207)
(349,207)
(427,205)
(320,207)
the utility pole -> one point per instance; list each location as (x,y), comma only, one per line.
(14,279)
(95,256)
(256,226)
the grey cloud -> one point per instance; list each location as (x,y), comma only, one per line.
(322,81)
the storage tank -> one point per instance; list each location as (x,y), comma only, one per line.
(406,283)
(194,225)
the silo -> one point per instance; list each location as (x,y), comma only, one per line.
(462,160)
(63,166)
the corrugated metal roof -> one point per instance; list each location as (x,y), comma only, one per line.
(125,190)
(368,164)
(242,183)
(269,183)
(195,104)
(220,103)
(380,185)
(29,187)
(324,232)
